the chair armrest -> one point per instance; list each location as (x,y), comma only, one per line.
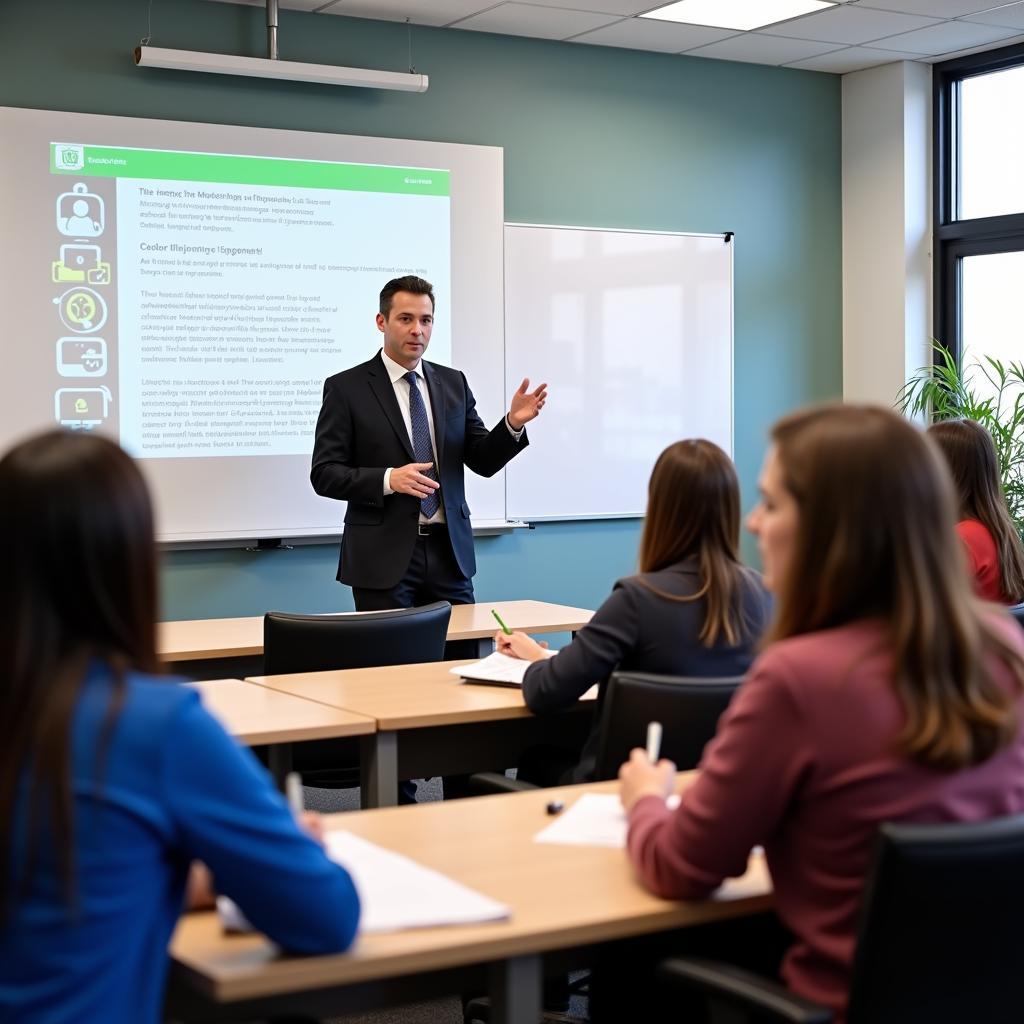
(744,989)
(484,783)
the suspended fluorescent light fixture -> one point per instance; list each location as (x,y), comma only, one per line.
(147,56)
(288,70)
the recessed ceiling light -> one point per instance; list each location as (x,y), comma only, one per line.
(738,14)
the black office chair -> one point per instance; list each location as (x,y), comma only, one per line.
(687,707)
(939,939)
(1017,611)
(318,643)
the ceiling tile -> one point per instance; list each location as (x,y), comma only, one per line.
(973,49)
(538,22)
(663,37)
(931,8)
(624,8)
(1010,16)
(849,24)
(944,38)
(853,58)
(437,12)
(760,49)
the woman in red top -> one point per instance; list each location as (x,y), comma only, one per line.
(886,692)
(993,544)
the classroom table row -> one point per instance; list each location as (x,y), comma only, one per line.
(412,721)
(562,900)
(220,639)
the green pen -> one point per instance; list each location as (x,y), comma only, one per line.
(504,628)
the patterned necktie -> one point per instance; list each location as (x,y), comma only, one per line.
(421,442)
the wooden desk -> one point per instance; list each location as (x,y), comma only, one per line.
(429,722)
(562,898)
(256,715)
(205,639)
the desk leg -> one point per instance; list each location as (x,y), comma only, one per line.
(515,986)
(378,767)
(484,645)
(279,761)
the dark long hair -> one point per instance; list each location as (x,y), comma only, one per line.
(876,537)
(972,459)
(78,567)
(693,509)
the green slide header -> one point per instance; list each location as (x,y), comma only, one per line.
(216,168)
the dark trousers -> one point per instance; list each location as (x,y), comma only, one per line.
(433,575)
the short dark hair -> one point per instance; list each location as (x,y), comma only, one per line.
(410,283)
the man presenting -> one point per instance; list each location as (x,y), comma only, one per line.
(391,440)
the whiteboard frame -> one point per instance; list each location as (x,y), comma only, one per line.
(728,238)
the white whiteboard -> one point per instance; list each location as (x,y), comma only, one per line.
(633,332)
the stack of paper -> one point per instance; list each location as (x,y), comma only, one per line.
(395,892)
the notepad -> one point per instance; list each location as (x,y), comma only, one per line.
(395,892)
(497,670)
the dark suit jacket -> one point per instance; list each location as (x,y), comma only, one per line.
(636,629)
(360,433)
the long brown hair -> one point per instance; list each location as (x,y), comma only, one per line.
(693,509)
(972,460)
(876,538)
(78,567)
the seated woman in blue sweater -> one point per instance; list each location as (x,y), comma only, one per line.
(113,782)
(692,610)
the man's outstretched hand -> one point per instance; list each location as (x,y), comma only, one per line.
(526,405)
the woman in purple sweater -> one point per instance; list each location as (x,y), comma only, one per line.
(886,692)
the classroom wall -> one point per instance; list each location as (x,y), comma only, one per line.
(592,136)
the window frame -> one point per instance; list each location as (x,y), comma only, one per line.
(955,239)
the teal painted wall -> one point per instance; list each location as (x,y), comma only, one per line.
(592,135)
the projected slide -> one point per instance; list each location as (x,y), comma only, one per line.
(185,289)
(198,300)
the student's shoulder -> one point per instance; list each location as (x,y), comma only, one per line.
(811,659)
(154,703)
(976,534)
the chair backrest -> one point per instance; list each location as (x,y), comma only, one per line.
(687,707)
(941,926)
(316,643)
(1017,611)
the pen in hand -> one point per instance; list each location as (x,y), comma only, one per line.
(653,741)
(293,793)
(504,628)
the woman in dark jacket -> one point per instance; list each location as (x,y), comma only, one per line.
(692,610)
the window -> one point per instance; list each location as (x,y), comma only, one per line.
(979,205)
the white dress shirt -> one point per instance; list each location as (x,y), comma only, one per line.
(397,374)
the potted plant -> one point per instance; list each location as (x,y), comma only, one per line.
(989,391)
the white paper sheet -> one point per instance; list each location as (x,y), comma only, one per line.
(395,892)
(594,819)
(398,893)
(497,668)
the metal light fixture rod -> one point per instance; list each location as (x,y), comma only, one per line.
(272,29)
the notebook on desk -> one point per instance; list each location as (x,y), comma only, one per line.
(496,670)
